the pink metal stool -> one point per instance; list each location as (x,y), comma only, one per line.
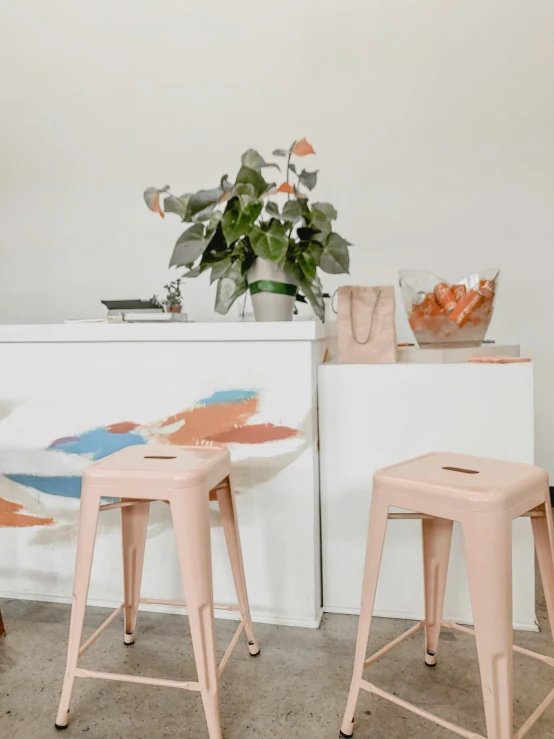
(485,496)
(186,478)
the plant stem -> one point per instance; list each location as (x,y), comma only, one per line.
(288,166)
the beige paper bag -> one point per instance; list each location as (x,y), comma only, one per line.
(366,325)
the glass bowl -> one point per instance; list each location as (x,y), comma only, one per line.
(443,314)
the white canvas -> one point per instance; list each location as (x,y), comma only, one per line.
(63,404)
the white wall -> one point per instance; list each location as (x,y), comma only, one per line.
(433,120)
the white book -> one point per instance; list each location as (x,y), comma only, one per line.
(154,317)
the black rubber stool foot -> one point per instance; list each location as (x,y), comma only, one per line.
(128,643)
(257,653)
(345,736)
(428,665)
(61,728)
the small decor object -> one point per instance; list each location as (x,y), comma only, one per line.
(366,325)
(259,235)
(173,297)
(444,315)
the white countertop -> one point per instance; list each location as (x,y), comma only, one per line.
(298,330)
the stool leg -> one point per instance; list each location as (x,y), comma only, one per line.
(374,551)
(543,531)
(134,522)
(88,521)
(488,543)
(437,538)
(191,520)
(227,507)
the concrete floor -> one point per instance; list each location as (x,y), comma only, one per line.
(296,688)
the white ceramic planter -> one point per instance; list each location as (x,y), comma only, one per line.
(270,306)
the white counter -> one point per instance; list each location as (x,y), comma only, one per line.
(372,416)
(300,330)
(75,392)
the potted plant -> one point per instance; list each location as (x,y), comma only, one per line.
(257,235)
(173,297)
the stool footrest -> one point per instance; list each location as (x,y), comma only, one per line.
(520,650)
(230,648)
(80,672)
(419,711)
(426,517)
(534,717)
(183,604)
(124,504)
(98,631)
(406,635)
(370,688)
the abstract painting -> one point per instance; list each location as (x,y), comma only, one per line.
(220,419)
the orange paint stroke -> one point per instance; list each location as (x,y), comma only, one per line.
(254,434)
(10,516)
(122,428)
(204,422)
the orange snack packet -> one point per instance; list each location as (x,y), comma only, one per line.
(463,310)
(430,307)
(458,291)
(444,296)
(487,288)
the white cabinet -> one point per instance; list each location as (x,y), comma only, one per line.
(375,415)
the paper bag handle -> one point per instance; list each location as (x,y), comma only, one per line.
(371,320)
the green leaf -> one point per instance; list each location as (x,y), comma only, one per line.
(269,190)
(220,269)
(309,179)
(335,258)
(272,244)
(152,198)
(307,264)
(190,245)
(320,236)
(252,177)
(327,210)
(194,272)
(292,167)
(292,211)
(202,203)
(229,288)
(280,153)
(319,221)
(226,186)
(316,250)
(313,290)
(177,205)
(215,218)
(245,192)
(252,159)
(204,215)
(273,210)
(238,221)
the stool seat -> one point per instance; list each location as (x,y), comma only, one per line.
(161,466)
(460,481)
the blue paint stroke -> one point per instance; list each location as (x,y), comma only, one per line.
(228,396)
(67,487)
(97,443)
